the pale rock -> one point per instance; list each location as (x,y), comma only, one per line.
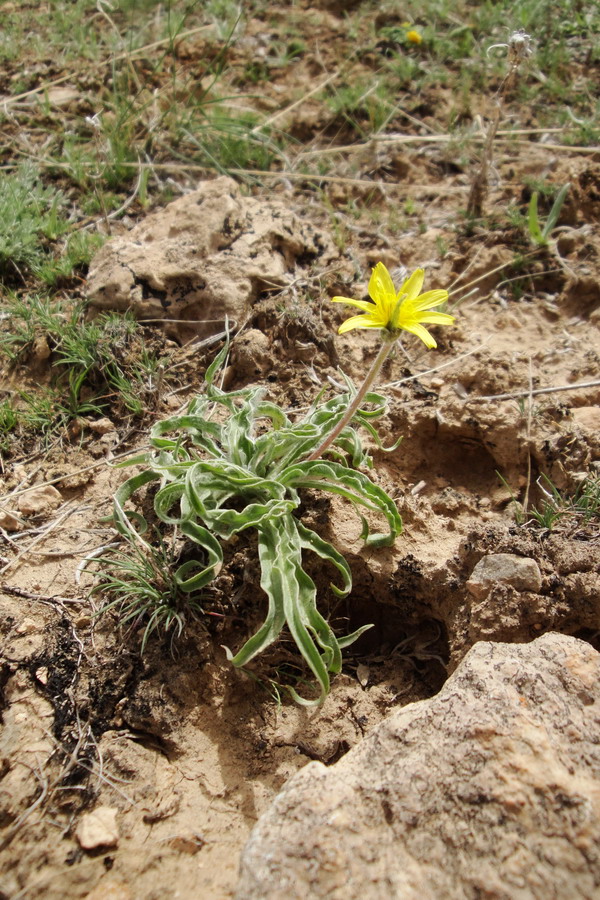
(19,473)
(42,675)
(28,626)
(40,501)
(491,788)
(63,95)
(109,889)
(98,828)
(40,350)
(519,572)
(9,521)
(588,418)
(109,439)
(100,426)
(205,256)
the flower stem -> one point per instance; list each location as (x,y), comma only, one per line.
(384,351)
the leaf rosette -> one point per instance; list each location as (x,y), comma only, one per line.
(235,461)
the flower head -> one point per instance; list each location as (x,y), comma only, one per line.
(414,37)
(394,311)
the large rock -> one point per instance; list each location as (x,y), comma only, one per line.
(490,789)
(205,256)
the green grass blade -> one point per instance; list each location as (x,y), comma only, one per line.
(555,212)
(533,221)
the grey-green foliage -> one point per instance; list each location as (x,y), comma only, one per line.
(235,461)
(143,584)
(30,213)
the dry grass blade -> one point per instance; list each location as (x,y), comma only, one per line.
(515,395)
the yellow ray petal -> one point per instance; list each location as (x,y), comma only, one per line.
(406,310)
(381,286)
(422,333)
(430,299)
(413,285)
(365,305)
(436,318)
(359,322)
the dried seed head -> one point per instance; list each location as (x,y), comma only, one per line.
(94,121)
(519,47)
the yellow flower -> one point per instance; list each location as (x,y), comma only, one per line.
(414,37)
(405,310)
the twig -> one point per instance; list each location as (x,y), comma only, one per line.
(53,599)
(547,390)
(528,436)
(435,138)
(53,525)
(445,365)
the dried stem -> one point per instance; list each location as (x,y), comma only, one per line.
(518,50)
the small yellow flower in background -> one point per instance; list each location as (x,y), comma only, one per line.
(414,37)
(405,310)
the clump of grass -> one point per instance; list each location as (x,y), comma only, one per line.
(48,411)
(106,362)
(540,234)
(31,216)
(362,105)
(144,589)
(78,250)
(577,509)
(110,354)
(9,420)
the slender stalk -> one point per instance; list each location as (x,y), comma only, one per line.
(518,51)
(384,351)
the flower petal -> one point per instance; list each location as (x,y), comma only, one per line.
(413,285)
(423,334)
(436,318)
(381,287)
(365,305)
(405,310)
(430,299)
(359,322)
